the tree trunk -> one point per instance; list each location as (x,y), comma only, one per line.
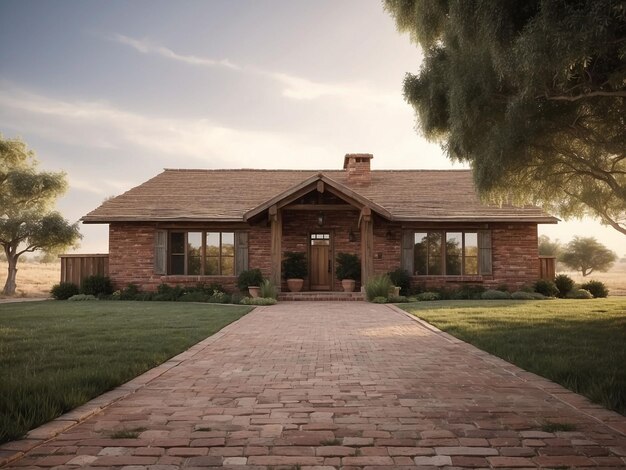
(9,286)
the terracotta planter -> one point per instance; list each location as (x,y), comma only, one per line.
(395,291)
(295,285)
(254,291)
(348,285)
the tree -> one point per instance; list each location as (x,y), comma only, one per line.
(586,254)
(27,221)
(531,94)
(548,247)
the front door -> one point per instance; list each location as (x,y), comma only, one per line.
(320,261)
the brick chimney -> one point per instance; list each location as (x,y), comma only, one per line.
(357,166)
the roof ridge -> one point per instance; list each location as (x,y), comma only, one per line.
(338,170)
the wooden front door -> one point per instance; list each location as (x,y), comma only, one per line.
(321,269)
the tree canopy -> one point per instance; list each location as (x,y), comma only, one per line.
(27,219)
(586,254)
(531,94)
(548,247)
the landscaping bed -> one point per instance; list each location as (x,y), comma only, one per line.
(579,344)
(55,356)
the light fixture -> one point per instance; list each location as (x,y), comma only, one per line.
(320,219)
(351,236)
(389,235)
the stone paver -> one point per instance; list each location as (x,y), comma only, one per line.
(334,385)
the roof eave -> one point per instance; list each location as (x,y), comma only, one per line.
(520,218)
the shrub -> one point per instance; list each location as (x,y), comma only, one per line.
(236,298)
(250,277)
(402,279)
(218,297)
(268,290)
(194,296)
(492,294)
(64,290)
(167,293)
(379,300)
(579,294)
(503,288)
(521,295)
(294,265)
(378,287)
(428,296)
(258,301)
(130,292)
(564,284)
(79,297)
(470,292)
(96,285)
(597,289)
(348,266)
(546,287)
(398,299)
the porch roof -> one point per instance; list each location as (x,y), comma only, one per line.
(237,195)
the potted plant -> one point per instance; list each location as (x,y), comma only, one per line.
(348,270)
(295,270)
(250,280)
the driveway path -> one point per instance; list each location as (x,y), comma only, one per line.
(340,385)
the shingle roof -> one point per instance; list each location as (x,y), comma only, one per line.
(226,195)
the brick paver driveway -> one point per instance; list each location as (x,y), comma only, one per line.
(340,385)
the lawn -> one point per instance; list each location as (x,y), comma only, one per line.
(57,355)
(580,344)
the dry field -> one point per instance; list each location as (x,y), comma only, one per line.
(33,279)
(615,279)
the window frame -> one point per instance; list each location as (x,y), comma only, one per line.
(443,233)
(203,252)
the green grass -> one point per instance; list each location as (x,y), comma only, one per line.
(57,355)
(580,344)
(127,433)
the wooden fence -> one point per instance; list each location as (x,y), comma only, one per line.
(75,268)
(547,267)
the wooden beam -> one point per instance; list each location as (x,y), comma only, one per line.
(276,236)
(320,207)
(367,246)
(320,186)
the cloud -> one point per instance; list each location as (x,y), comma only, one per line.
(294,87)
(102,125)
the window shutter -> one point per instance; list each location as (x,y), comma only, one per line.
(160,252)
(484,252)
(408,245)
(241,252)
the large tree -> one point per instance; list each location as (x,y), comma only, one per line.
(586,254)
(530,93)
(27,219)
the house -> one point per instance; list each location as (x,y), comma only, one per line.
(202,226)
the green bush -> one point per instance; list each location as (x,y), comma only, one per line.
(250,277)
(380,300)
(428,296)
(194,296)
(130,292)
(378,287)
(80,297)
(402,279)
(96,285)
(469,292)
(564,284)
(218,297)
(294,265)
(398,299)
(236,298)
(64,290)
(493,294)
(521,295)
(597,289)
(167,293)
(546,287)
(579,294)
(268,290)
(348,266)
(503,287)
(258,301)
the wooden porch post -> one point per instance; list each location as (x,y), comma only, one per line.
(276,221)
(367,245)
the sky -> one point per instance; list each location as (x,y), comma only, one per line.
(113,92)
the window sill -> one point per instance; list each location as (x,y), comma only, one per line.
(463,278)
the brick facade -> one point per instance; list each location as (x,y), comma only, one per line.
(514,250)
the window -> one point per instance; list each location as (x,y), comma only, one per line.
(439,253)
(202,253)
